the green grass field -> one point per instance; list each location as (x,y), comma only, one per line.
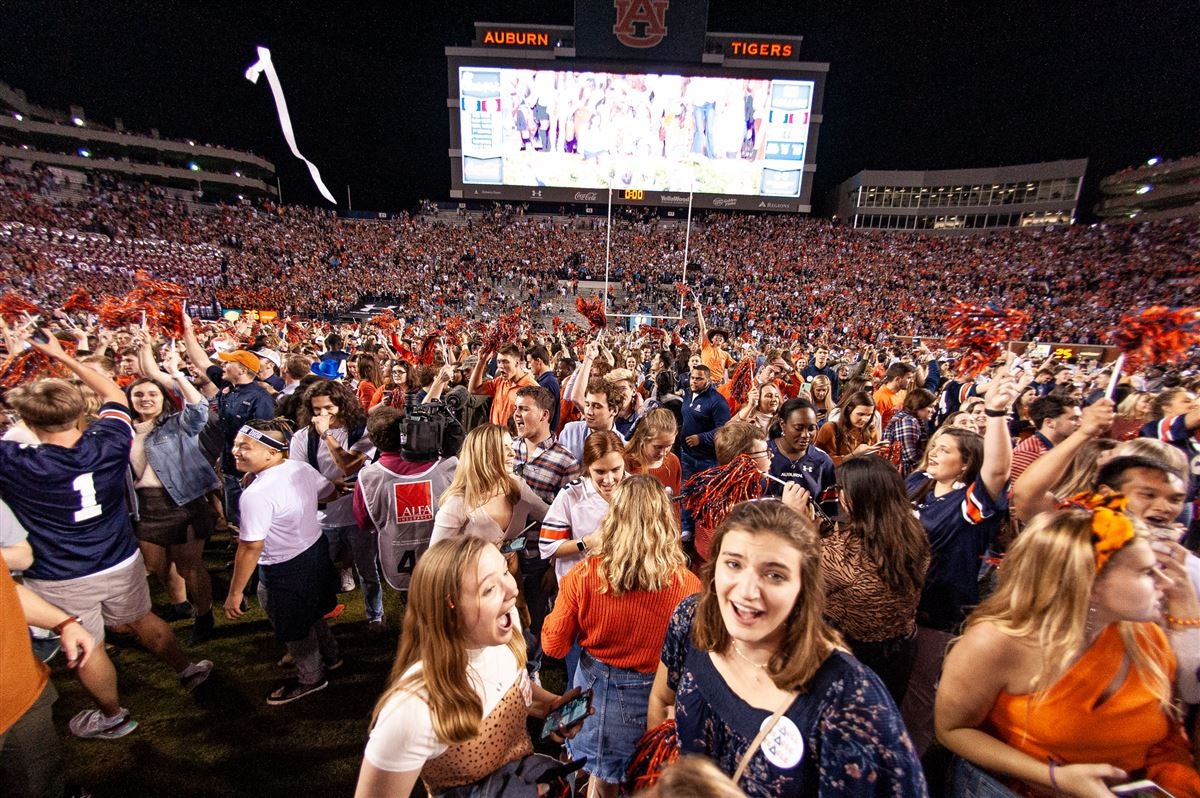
(224,740)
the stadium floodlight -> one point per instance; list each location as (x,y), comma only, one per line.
(77,121)
(85,153)
(1146,189)
(192,165)
(1153,161)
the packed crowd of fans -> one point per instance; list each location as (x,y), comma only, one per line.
(848,286)
(819,560)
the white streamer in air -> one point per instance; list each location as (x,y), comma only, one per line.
(263,64)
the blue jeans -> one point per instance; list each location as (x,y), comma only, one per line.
(619,700)
(366,562)
(233,495)
(967,781)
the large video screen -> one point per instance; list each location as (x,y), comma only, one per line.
(544,128)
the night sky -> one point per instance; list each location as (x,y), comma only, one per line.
(916,85)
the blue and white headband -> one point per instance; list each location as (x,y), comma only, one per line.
(263,438)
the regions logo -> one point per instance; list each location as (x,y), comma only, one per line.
(775,206)
(641,23)
(586,196)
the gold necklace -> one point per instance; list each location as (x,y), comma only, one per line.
(738,651)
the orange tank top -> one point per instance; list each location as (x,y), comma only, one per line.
(1071,725)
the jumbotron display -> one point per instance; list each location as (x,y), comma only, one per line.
(721,137)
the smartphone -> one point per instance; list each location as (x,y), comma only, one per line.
(516,544)
(1140,789)
(568,714)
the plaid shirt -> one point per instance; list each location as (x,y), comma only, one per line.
(908,437)
(549,469)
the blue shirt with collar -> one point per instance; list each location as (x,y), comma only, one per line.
(703,414)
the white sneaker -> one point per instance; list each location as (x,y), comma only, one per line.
(347,576)
(94,724)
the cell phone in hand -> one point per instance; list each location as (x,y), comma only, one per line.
(1144,788)
(40,336)
(516,544)
(568,714)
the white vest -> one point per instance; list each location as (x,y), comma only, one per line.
(402,508)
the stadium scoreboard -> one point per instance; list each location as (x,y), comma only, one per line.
(532,120)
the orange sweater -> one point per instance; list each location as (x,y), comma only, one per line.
(1128,730)
(22,676)
(624,631)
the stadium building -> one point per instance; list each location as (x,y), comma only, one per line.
(963,200)
(1156,190)
(73,142)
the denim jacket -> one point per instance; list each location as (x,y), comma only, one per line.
(173,450)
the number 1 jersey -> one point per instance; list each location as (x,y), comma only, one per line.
(73,501)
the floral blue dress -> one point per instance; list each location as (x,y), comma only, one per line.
(846,736)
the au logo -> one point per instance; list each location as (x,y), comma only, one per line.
(641,23)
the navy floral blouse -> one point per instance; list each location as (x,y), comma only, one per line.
(842,737)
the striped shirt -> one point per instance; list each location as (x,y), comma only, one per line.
(1026,452)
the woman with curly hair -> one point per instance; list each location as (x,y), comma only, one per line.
(331,437)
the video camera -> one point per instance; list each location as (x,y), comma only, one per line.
(430,431)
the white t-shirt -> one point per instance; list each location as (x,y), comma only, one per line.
(280,509)
(341,511)
(11,531)
(403,738)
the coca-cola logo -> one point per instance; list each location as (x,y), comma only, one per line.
(586,196)
(724,202)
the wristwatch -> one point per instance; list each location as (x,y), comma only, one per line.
(582,546)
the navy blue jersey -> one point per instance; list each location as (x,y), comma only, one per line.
(813,471)
(953,394)
(73,501)
(961,525)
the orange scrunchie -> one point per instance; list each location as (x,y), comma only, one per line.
(1111,527)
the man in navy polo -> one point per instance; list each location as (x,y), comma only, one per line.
(704,412)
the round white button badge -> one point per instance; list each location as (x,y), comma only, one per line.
(784,745)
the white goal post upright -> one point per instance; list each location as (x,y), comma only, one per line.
(607,245)
(687,240)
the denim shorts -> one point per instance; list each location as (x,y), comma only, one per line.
(968,781)
(619,701)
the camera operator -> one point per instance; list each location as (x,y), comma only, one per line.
(396,496)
